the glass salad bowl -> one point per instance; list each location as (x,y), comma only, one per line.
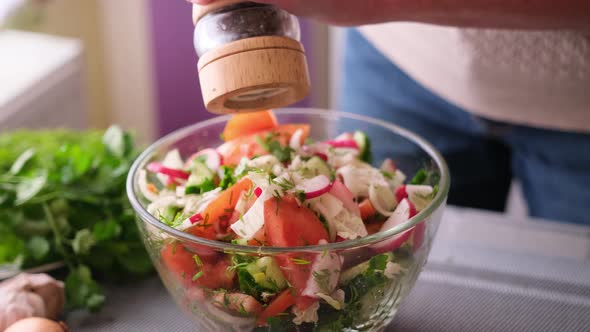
(341,284)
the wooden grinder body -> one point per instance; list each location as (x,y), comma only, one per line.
(251,74)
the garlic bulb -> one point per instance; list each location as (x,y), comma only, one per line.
(30,295)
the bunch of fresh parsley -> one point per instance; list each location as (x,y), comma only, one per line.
(62,199)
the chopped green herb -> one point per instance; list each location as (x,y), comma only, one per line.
(197,275)
(227,177)
(205,186)
(419,178)
(426,176)
(285,184)
(282,323)
(300,261)
(198,260)
(388,175)
(301,196)
(274,147)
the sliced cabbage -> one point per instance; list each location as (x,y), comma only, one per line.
(159,206)
(295,141)
(398,179)
(264,163)
(348,225)
(419,195)
(358,176)
(338,157)
(325,273)
(251,222)
(382,199)
(336,299)
(243,203)
(309,315)
(327,205)
(341,222)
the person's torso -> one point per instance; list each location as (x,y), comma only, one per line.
(539,78)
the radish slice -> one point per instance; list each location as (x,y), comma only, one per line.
(258,191)
(404,211)
(401,193)
(344,137)
(316,148)
(295,141)
(322,156)
(156,167)
(340,191)
(351,144)
(325,273)
(315,187)
(172,160)
(196,218)
(213,159)
(171,182)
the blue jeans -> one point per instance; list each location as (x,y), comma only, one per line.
(483,155)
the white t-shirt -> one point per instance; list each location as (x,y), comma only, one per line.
(538,78)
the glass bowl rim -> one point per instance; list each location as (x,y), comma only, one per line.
(177,135)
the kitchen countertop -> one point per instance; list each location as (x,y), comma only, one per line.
(486,272)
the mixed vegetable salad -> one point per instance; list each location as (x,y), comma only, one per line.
(270,185)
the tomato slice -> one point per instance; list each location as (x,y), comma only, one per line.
(367,209)
(248,123)
(218,214)
(248,146)
(374,227)
(286,224)
(259,238)
(208,272)
(279,305)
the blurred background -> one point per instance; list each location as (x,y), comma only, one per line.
(92,63)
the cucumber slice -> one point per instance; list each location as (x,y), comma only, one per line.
(274,275)
(316,166)
(364,144)
(266,274)
(200,180)
(357,270)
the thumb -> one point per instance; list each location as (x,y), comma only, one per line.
(289,5)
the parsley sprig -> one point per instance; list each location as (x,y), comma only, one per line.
(62,198)
(274,147)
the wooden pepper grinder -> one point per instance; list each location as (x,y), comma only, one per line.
(250,56)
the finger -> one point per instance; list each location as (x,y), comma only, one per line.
(201,2)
